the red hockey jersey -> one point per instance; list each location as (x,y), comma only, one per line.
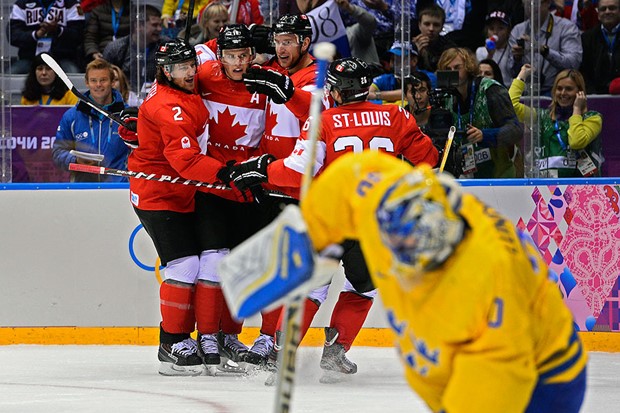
(353,128)
(170,125)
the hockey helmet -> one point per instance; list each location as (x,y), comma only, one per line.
(419,221)
(234,36)
(298,24)
(351,77)
(174,51)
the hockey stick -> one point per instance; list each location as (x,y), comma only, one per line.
(101,170)
(291,333)
(190,19)
(446,149)
(49,60)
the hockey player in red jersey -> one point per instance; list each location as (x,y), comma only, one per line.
(236,123)
(352,126)
(171,123)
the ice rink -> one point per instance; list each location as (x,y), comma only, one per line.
(116,379)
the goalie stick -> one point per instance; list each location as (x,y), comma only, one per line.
(49,60)
(324,53)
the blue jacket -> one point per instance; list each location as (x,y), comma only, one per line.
(84,129)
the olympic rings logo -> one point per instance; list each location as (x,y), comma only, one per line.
(132,253)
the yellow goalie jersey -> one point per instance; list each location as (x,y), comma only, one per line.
(474,335)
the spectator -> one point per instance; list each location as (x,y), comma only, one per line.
(570,144)
(121,84)
(86,130)
(174,14)
(210,20)
(294,7)
(497,24)
(430,42)
(386,88)
(360,34)
(487,127)
(46,26)
(513,8)
(489,68)
(464,19)
(43,87)
(248,13)
(558,41)
(601,49)
(145,39)
(106,23)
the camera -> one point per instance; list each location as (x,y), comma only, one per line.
(441,120)
(521,43)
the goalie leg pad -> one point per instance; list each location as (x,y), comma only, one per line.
(348,317)
(265,268)
(184,270)
(177,311)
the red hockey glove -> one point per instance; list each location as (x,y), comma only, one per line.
(128,133)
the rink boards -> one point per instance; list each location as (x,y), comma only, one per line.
(77,267)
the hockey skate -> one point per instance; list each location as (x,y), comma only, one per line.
(334,361)
(232,353)
(271,365)
(209,352)
(180,359)
(260,350)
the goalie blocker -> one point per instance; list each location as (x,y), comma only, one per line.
(265,269)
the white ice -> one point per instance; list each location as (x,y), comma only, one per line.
(118,379)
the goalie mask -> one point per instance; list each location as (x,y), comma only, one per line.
(351,77)
(419,222)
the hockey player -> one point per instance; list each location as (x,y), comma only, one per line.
(235,125)
(171,122)
(479,325)
(352,126)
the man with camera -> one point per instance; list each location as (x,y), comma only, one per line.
(488,130)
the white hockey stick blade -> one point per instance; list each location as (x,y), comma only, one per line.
(267,267)
(87,155)
(49,60)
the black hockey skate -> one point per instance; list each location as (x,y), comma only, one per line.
(334,361)
(180,359)
(232,352)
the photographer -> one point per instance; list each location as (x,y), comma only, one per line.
(487,126)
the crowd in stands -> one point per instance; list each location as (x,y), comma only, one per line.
(492,38)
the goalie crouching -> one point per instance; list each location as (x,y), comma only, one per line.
(479,325)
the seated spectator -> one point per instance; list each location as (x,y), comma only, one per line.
(489,68)
(584,15)
(601,49)
(43,87)
(486,123)
(463,21)
(570,144)
(430,43)
(122,52)
(86,130)
(106,23)
(360,34)
(497,24)
(46,26)
(386,88)
(210,20)
(559,45)
(121,84)
(174,14)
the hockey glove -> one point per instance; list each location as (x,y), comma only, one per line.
(128,133)
(268,82)
(261,38)
(251,173)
